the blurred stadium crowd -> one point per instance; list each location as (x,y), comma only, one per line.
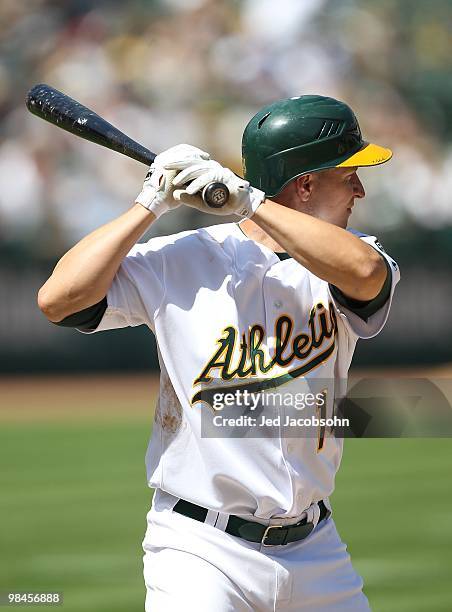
(170,71)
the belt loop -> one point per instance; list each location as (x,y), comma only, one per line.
(315,514)
(222,521)
(211,518)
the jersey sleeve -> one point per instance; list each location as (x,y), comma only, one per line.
(367,319)
(137,290)
(88,318)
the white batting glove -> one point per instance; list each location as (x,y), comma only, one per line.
(243,201)
(157,192)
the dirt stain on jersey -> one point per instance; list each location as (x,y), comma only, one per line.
(169,409)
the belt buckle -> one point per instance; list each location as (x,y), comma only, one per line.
(264,537)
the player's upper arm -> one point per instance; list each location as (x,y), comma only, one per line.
(134,296)
(368,318)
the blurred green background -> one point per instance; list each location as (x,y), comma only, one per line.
(73,495)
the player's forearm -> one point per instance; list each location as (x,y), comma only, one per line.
(84,274)
(328,251)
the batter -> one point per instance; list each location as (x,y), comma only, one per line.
(275,302)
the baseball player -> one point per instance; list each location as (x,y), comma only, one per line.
(243,522)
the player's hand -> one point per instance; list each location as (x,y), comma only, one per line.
(157,192)
(243,199)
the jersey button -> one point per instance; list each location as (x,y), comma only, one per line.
(278,304)
(290,448)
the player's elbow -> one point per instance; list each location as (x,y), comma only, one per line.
(49,305)
(371,277)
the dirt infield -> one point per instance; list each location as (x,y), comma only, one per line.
(55,398)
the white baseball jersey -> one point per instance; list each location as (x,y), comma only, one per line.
(220,305)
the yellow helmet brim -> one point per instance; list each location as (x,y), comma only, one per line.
(369,155)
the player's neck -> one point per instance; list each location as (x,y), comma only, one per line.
(254,232)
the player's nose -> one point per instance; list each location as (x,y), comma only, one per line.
(358,187)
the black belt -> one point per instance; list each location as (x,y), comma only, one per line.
(271,535)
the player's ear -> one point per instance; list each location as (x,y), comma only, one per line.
(303,187)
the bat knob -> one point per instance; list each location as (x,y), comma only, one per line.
(215,195)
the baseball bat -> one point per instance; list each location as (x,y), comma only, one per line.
(56,107)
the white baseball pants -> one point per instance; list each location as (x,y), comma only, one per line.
(190,565)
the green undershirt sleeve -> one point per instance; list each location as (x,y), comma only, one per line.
(88,318)
(364,310)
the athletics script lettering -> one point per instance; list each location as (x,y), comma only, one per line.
(238,361)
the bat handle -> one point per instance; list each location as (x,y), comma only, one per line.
(215,195)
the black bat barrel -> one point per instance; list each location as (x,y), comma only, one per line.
(58,108)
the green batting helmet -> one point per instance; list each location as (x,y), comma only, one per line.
(305,134)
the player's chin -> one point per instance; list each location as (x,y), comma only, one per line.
(343,222)
(348,214)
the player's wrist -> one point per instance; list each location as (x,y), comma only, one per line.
(143,212)
(156,206)
(253,200)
